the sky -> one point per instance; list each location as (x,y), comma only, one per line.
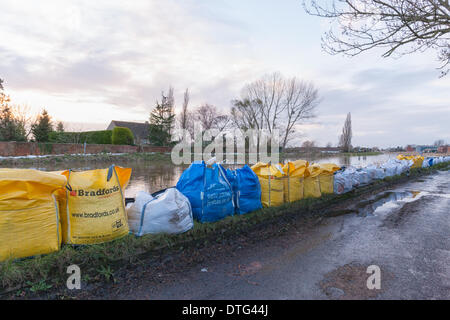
(90,62)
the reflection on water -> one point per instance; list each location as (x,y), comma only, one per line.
(370,207)
(153,176)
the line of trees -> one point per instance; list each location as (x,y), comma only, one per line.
(270,103)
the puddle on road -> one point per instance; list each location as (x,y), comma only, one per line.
(385,200)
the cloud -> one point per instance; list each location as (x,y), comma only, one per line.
(123,55)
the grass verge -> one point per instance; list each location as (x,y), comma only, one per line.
(98,262)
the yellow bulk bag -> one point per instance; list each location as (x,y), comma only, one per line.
(29,221)
(417,160)
(326,177)
(94,210)
(271,178)
(311,184)
(293,183)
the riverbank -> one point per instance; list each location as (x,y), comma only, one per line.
(107,158)
(108,263)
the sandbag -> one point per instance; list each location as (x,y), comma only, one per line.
(293,182)
(271,178)
(417,160)
(29,219)
(341,183)
(404,166)
(326,177)
(93,208)
(208,190)
(311,184)
(246,189)
(363,176)
(393,167)
(354,178)
(375,172)
(170,212)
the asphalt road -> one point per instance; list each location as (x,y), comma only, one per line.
(405,232)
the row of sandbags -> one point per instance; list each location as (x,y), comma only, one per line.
(431,161)
(349,178)
(293,181)
(41,210)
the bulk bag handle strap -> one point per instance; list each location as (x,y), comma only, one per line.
(110,172)
(68,186)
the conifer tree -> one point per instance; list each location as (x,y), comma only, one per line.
(162,120)
(43,127)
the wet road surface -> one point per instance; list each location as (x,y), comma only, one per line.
(404,231)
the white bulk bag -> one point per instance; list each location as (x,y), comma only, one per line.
(375,172)
(363,176)
(353,175)
(391,168)
(169,212)
(342,183)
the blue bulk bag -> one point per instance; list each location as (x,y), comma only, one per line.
(208,190)
(246,189)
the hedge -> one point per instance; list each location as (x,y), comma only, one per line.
(122,136)
(90,137)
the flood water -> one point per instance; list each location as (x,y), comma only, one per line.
(153,176)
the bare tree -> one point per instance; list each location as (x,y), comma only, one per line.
(399,26)
(439,143)
(274,102)
(206,114)
(308,145)
(345,140)
(268,93)
(211,118)
(246,114)
(301,101)
(185,118)
(26,118)
(184,115)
